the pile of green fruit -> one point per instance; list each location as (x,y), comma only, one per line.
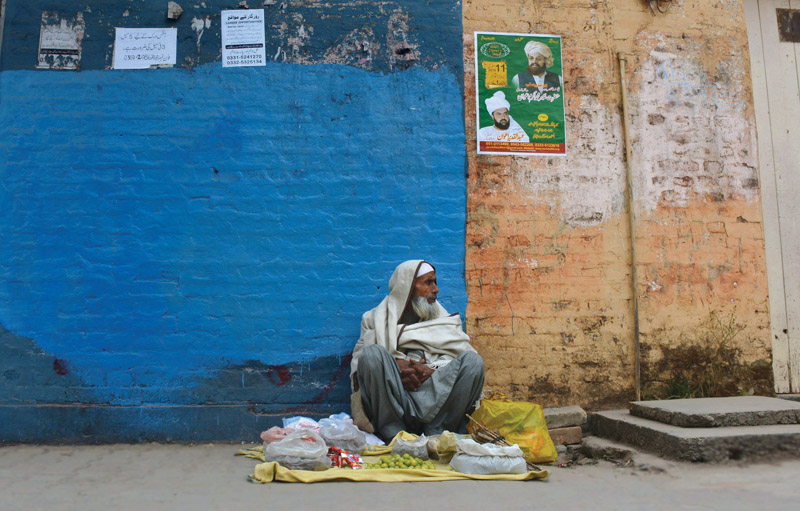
(401,461)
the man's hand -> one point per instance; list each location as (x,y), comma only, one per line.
(408,375)
(413,373)
(423,371)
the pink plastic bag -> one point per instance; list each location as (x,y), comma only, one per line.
(275,434)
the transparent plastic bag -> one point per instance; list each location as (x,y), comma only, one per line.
(343,435)
(443,447)
(300,422)
(303,449)
(417,447)
(433,446)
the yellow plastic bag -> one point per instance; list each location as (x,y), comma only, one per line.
(521,423)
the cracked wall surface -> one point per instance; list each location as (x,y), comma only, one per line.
(548,244)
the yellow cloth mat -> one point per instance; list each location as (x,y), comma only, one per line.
(269,472)
(256,453)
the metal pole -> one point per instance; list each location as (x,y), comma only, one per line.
(626,131)
(2,24)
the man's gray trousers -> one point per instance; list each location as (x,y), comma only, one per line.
(439,404)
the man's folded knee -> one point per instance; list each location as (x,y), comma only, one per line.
(472,361)
(371,356)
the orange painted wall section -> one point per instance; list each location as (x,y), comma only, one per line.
(548,259)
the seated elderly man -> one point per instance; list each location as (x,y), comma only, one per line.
(413,368)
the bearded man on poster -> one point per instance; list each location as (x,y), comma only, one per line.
(505,128)
(413,367)
(537,77)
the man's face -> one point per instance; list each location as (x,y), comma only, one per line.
(536,64)
(501,119)
(425,287)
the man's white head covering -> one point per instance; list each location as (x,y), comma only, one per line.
(424,268)
(497,101)
(534,48)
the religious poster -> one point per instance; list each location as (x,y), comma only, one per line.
(243,38)
(520,94)
(143,48)
(60,41)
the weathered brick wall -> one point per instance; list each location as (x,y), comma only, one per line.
(185,253)
(548,253)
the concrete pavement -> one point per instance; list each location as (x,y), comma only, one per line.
(156,477)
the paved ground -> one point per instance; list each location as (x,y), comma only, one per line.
(204,477)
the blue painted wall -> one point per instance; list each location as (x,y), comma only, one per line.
(185,253)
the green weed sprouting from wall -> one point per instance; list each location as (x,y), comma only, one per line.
(709,364)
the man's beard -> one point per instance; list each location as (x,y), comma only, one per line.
(426,311)
(535,69)
(502,125)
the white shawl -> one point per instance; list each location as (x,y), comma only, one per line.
(441,339)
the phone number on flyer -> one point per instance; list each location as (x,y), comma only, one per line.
(233,59)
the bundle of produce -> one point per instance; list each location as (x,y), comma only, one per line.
(485,459)
(484,435)
(402,461)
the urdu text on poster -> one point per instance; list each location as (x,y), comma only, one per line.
(520,94)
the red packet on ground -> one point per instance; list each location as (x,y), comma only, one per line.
(342,458)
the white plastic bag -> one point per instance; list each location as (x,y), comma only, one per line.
(417,447)
(473,448)
(343,435)
(484,465)
(475,458)
(302,449)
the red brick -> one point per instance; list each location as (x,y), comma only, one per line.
(564,436)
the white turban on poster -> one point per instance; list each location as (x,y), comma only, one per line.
(496,102)
(534,48)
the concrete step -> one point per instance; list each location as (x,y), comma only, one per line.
(598,447)
(714,412)
(698,444)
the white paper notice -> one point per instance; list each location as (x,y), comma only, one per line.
(141,48)
(243,38)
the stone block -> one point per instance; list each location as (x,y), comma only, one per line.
(564,416)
